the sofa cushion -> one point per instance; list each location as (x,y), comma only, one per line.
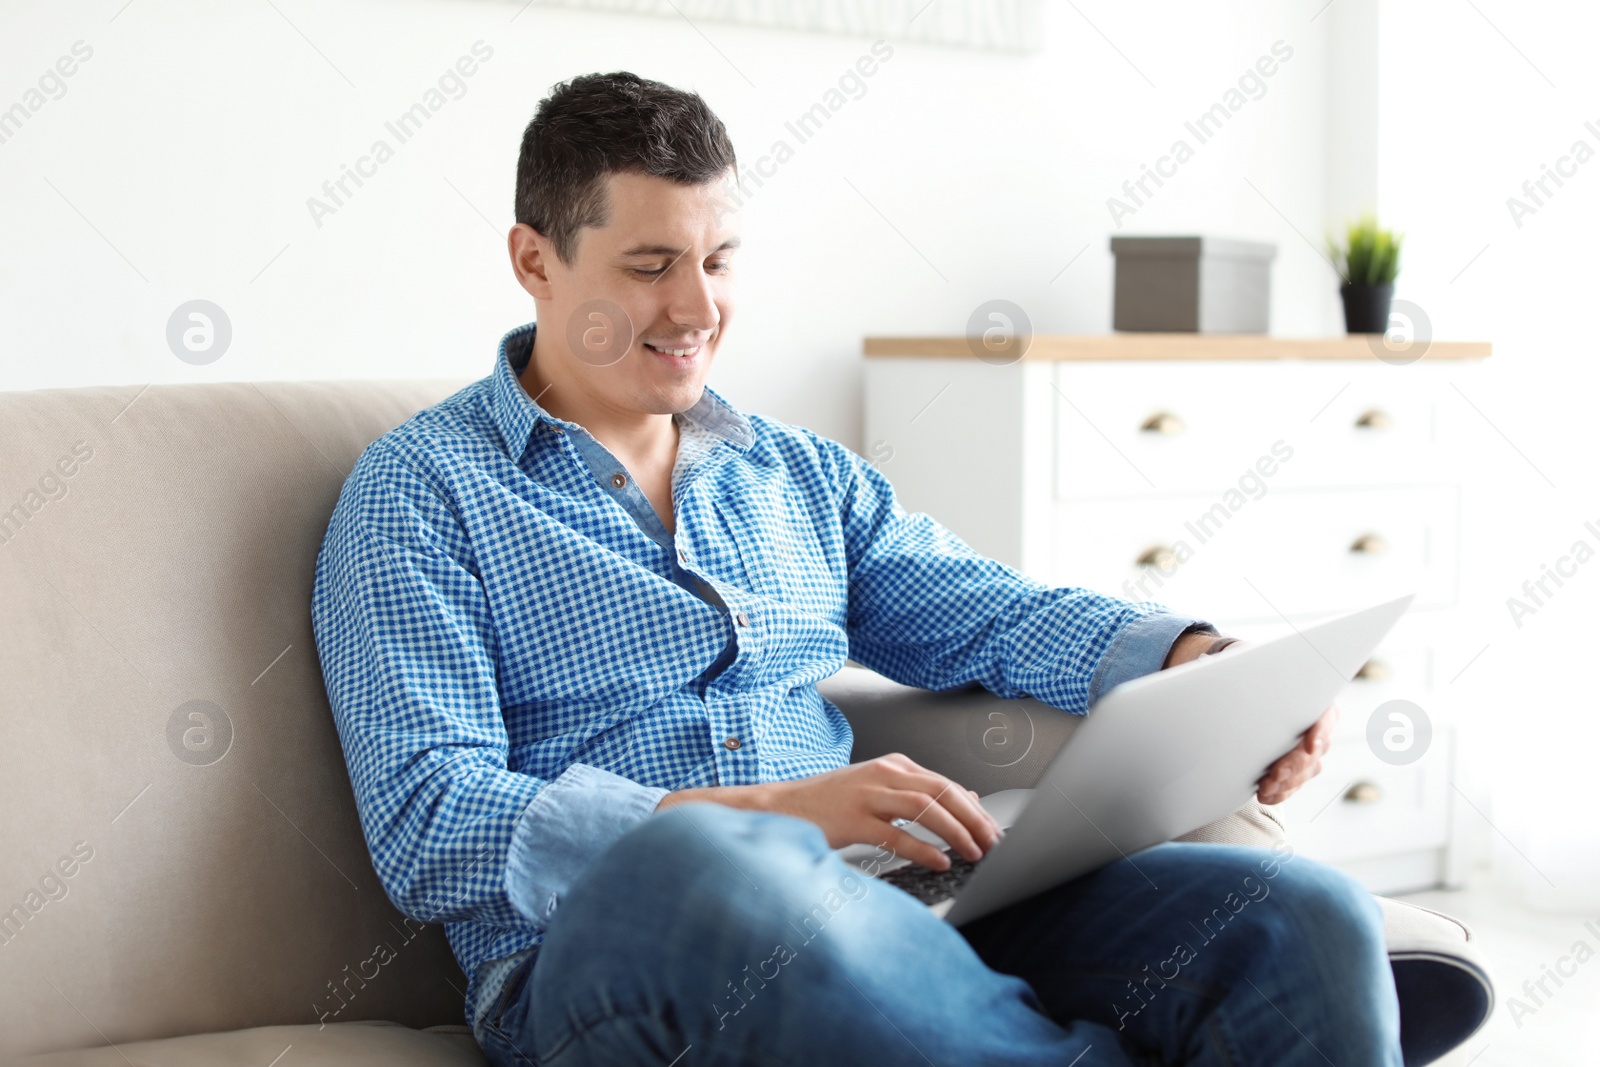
(182,853)
(353,1044)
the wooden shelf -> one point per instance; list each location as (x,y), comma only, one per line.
(1126,346)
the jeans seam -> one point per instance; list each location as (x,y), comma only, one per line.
(520,975)
(516,1049)
(1219,1041)
(500,1006)
(575,1032)
(491,1021)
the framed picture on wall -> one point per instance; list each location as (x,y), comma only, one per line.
(1003,25)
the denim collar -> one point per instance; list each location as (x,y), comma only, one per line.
(517,414)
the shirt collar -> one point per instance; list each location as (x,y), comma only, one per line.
(517,414)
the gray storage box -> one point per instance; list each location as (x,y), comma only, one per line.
(1192,285)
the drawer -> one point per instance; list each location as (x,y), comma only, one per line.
(1361,807)
(1297,552)
(1373,425)
(1134,429)
(1163,427)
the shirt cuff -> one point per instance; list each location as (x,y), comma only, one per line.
(564,827)
(1141,648)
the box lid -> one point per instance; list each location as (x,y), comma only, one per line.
(1191,248)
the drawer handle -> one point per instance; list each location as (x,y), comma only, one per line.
(1363,793)
(1163,422)
(1374,670)
(1374,419)
(1159,556)
(1369,545)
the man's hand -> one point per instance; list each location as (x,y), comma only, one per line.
(857,805)
(1302,763)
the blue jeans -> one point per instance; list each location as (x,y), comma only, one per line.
(708,935)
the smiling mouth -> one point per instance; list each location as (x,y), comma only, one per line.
(676,351)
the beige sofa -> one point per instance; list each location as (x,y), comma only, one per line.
(184,876)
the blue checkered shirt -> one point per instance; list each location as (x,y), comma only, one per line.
(522,662)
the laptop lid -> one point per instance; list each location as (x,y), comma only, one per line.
(1166,753)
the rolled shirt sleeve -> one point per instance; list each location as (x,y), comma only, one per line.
(1141,648)
(567,824)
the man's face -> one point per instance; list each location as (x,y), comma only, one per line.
(641,310)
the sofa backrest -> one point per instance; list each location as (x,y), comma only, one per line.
(180,851)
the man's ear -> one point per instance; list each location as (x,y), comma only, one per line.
(531,259)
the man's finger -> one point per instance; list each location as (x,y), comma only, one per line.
(914,849)
(929,813)
(1287,776)
(959,800)
(1288,762)
(963,804)
(1286,768)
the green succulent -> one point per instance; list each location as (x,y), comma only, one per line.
(1369,256)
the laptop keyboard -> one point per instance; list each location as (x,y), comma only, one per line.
(930,886)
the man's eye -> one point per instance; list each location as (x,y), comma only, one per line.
(641,272)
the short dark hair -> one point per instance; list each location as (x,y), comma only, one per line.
(600,124)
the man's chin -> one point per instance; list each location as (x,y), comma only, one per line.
(672,398)
(674,389)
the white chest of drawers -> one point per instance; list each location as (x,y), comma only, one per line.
(1252,482)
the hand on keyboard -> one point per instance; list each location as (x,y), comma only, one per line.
(858,804)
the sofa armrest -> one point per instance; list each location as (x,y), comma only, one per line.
(968,735)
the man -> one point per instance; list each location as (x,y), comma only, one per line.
(572,619)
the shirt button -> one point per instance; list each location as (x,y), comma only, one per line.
(683,557)
(741,618)
(731,744)
(619,480)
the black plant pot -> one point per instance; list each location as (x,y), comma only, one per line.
(1366,307)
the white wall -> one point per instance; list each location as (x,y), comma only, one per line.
(193,137)
(1474,103)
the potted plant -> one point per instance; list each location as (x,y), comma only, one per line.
(1367,262)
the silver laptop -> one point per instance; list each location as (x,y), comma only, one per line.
(1158,756)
